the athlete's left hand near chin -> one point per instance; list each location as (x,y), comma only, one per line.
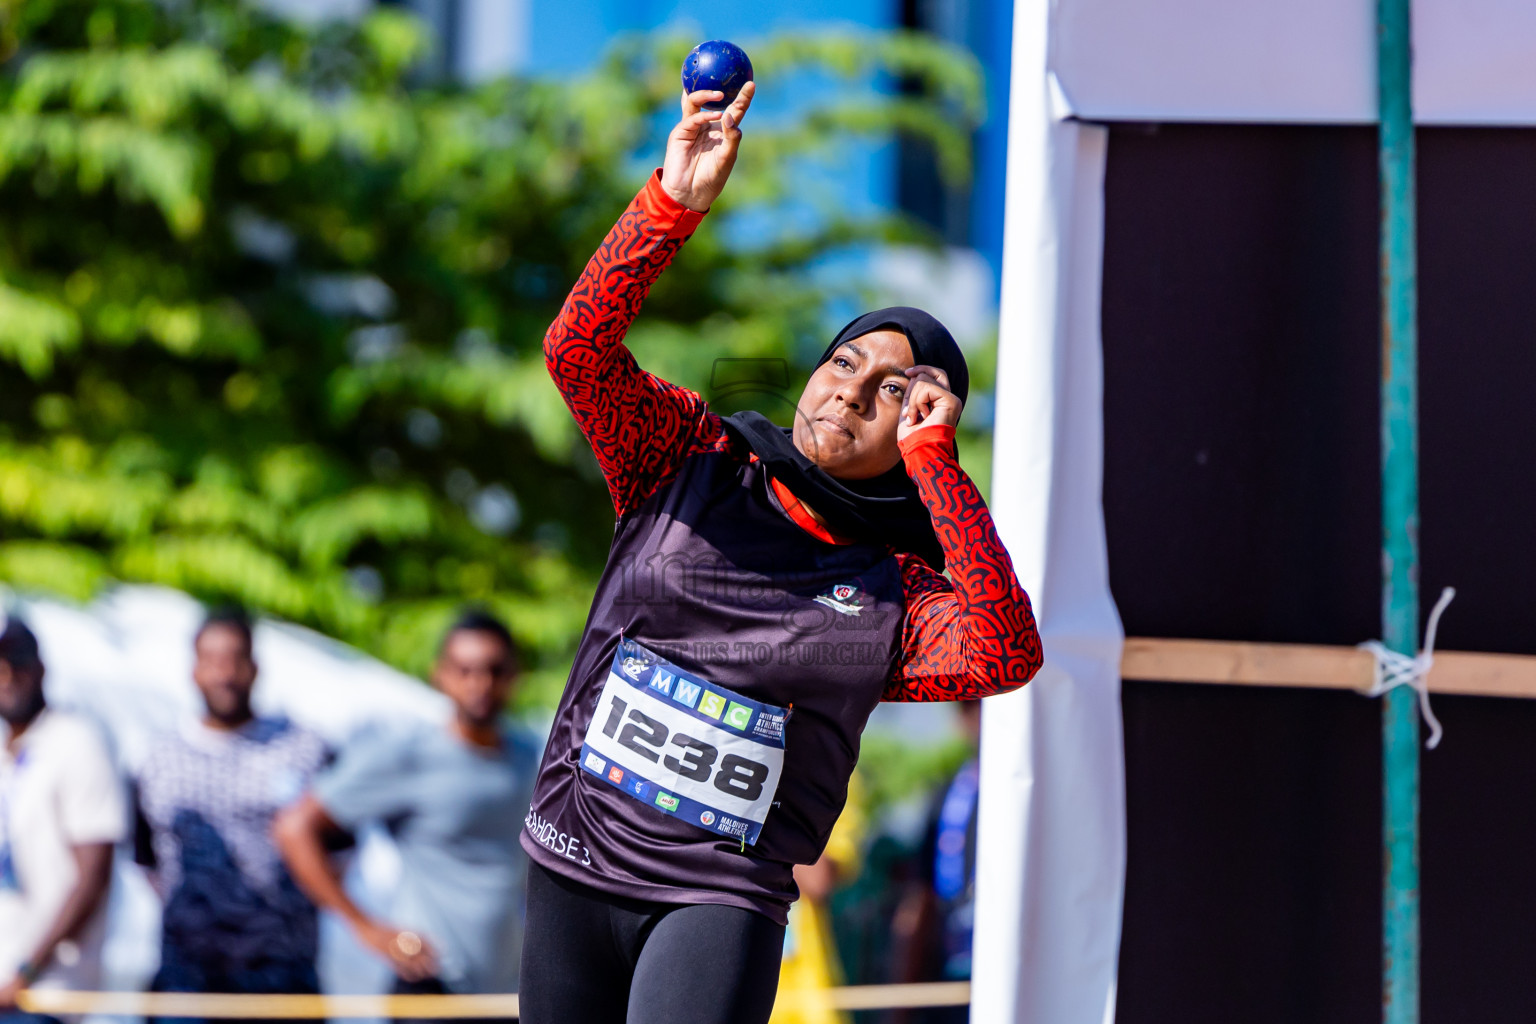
(928,401)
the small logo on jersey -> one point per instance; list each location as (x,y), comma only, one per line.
(662,681)
(712,704)
(633,667)
(666,801)
(842,598)
(596,763)
(639,787)
(707,818)
(615,774)
(686,693)
(738,716)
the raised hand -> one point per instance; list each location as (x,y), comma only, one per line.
(702,148)
(928,401)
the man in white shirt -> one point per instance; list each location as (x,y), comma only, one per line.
(62,809)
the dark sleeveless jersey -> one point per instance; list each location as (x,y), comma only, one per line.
(712,575)
(716,569)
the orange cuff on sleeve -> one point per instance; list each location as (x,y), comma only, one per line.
(665,212)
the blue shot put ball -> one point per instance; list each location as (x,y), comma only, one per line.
(717,65)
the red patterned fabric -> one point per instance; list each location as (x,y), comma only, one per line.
(641,428)
(973,638)
(977,636)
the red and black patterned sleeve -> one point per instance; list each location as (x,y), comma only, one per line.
(640,427)
(974,637)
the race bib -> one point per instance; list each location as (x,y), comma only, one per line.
(684,745)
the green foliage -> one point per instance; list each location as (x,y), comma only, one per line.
(271,311)
(894,770)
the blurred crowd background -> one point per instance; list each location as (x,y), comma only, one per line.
(273,281)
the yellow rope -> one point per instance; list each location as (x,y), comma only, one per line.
(302,1007)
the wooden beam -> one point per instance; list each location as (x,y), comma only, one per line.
(1466,673)
(311,1007)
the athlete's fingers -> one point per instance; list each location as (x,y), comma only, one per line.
(743,100)
(937,374)
(694,101)
(730,125)
(918,395)
(730,133)
(931,403)
(912,403)
(701,119)
(924,379)
(688,128)
(926,397)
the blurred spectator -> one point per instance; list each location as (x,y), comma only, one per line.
(811,969)
(454,800)
(61,812)
(234,921)
(933,925)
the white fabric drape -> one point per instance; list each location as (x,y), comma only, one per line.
(1051,861)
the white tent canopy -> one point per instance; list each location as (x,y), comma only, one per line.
(1301,61)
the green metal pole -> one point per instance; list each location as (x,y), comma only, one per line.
(1399,516)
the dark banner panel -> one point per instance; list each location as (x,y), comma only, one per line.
(1241,492)
(1253,885)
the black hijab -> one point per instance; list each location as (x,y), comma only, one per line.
(885,508)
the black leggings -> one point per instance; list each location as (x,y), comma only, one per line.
(602,959)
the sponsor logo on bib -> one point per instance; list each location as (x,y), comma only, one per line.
(707,818)
(666,801)
(769,725)
(712,704)
(737,715)
(686,693)
(596,763)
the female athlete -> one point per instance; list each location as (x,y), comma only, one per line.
(765,589)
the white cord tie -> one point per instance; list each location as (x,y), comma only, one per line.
(1394,669)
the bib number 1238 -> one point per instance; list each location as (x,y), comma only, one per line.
(684,745)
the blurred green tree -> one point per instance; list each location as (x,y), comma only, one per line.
(271,304)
